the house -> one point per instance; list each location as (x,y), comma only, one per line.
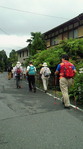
(23,54)
(70,29)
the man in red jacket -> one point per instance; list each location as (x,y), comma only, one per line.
(66,71)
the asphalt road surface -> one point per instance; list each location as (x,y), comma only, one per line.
(31,120)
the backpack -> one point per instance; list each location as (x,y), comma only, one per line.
(47,72)
(18,71)
(32,70)
(68,70)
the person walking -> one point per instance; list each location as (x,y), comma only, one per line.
(18,71)
(45,75)
(9,70)
(66,71)
(31,72)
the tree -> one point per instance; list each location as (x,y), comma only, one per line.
(29,46)
(3,61)
(36,43)
(13,57)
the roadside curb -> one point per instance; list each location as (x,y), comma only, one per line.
(75,107)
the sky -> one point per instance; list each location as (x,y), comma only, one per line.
(21,17)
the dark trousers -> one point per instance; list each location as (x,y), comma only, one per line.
(18,81)
(31,81)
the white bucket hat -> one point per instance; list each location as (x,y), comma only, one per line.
(18,63)
(44,64)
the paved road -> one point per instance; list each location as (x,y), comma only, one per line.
(36,120)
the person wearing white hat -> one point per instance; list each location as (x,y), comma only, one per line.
(18,64)
(18,75)
(45,75)
(44,64)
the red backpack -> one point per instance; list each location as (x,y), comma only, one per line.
(18,71)
(67,70)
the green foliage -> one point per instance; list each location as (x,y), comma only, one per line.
(36,43)
(12,57)
(73,47)
(51,56)
(77,89)
(3,61)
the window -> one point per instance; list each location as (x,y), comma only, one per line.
(61,30)
(81,22)
(59,38)
(27,52)
(56,40)
(52,34)
(71,26)
(75,33)
(56,33)
(49,35)
(20,54)
(65,35)
(48,43)
(80,31)
(65,29)
(45,37)
(76,24)
(52,41)
(23,53)
(71,34)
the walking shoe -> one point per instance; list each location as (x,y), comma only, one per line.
(34,90)
(45,91)
(20,86)
(63,102)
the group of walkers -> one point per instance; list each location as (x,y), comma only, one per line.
(65,69)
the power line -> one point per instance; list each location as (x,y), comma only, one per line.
(25,11)
(3,31)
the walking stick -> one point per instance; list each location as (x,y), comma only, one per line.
(55,83)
